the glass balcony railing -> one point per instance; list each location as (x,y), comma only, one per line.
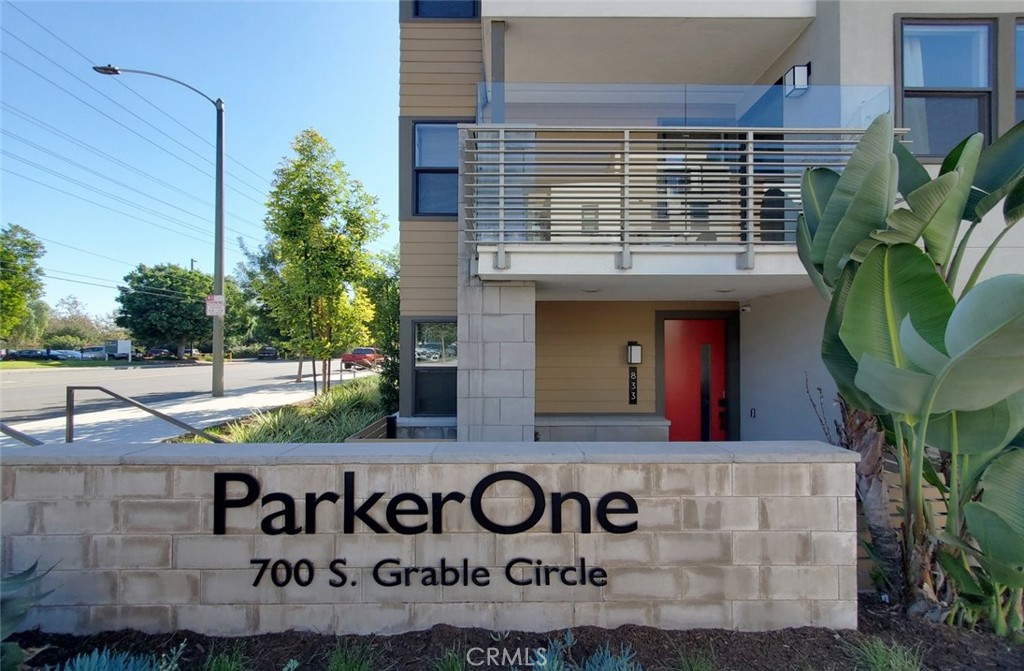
(634,105)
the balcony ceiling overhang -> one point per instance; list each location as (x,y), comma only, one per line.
(669,274)
(646,50)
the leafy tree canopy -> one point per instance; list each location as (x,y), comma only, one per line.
(20,275)
(309,275)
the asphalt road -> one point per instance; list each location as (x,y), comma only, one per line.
(40,393)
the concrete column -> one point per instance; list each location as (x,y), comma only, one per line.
(497,361)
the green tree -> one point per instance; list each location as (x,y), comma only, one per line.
(71,327)
(29,331)
(382,285)
(319,220)
(20,275)
(165,304)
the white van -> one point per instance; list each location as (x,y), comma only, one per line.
(95,352)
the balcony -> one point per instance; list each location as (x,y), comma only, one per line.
(568,206)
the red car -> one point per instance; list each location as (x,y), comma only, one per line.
(363,357)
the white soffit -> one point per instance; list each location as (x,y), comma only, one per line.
(646,50)
(650,8)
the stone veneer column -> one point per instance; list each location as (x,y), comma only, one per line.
(497,361)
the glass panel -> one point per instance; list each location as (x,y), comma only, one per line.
(437,193)
(436,344)
(446,9)
(1020,59)
(937,124)
(946,56)
(437,145)
(1020,108)
(435,392)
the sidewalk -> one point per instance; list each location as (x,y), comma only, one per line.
(131,425)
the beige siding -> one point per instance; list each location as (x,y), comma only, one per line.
(428,250)
(581,354)
(441,66)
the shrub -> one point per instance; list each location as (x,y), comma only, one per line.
(15,600)
(106,660)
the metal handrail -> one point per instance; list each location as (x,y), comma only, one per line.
(18,435)
(527,187)
(69,414)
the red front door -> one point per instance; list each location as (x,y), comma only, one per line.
(695,393)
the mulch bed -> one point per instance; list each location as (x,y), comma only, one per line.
(807,649)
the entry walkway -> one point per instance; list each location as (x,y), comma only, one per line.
(131,425)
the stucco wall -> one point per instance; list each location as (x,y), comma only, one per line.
(780,343)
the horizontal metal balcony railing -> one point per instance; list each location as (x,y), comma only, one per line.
(624,188)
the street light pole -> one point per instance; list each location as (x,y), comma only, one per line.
(218,220)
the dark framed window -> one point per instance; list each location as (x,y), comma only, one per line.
(436,169)
(1019,68)
(947,81)
(446,9)
(434,371)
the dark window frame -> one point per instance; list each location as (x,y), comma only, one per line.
(474,15)
(986,95)
(1018,36)
(422,376)
(431,170)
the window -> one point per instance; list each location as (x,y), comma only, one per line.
(947,82)
(434,373)
(1019,116)
(445,9)
(436,167)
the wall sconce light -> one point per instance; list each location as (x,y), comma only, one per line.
(634,352)
(795,81)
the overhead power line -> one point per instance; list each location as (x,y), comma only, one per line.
(29,118)
(119,123)
(107,207)
(107,178)
(91,62)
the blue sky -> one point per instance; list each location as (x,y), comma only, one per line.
(279,66)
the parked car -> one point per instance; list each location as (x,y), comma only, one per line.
(158,353)
(65,355)
(267,352)
(26,355)
(94,352)
(363,357)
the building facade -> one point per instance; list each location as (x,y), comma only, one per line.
(598,200)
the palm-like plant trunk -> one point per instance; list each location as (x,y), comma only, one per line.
(861,433)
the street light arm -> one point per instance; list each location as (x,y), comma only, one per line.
(109,69)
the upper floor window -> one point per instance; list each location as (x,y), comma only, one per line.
(436,169)
(446,9)
(1020,73)
(947,82)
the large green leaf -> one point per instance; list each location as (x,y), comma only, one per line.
(834,354)
(867,213)
(900,391)
(926,204)
(998,165)
(985,342)
(816,188)
(1013,208)
(1003,484)
(954,566)
(919,351)
(894,282)
(979,431)
(940,235)
(803,252)
(874,146)
(912,174)
(996,539)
